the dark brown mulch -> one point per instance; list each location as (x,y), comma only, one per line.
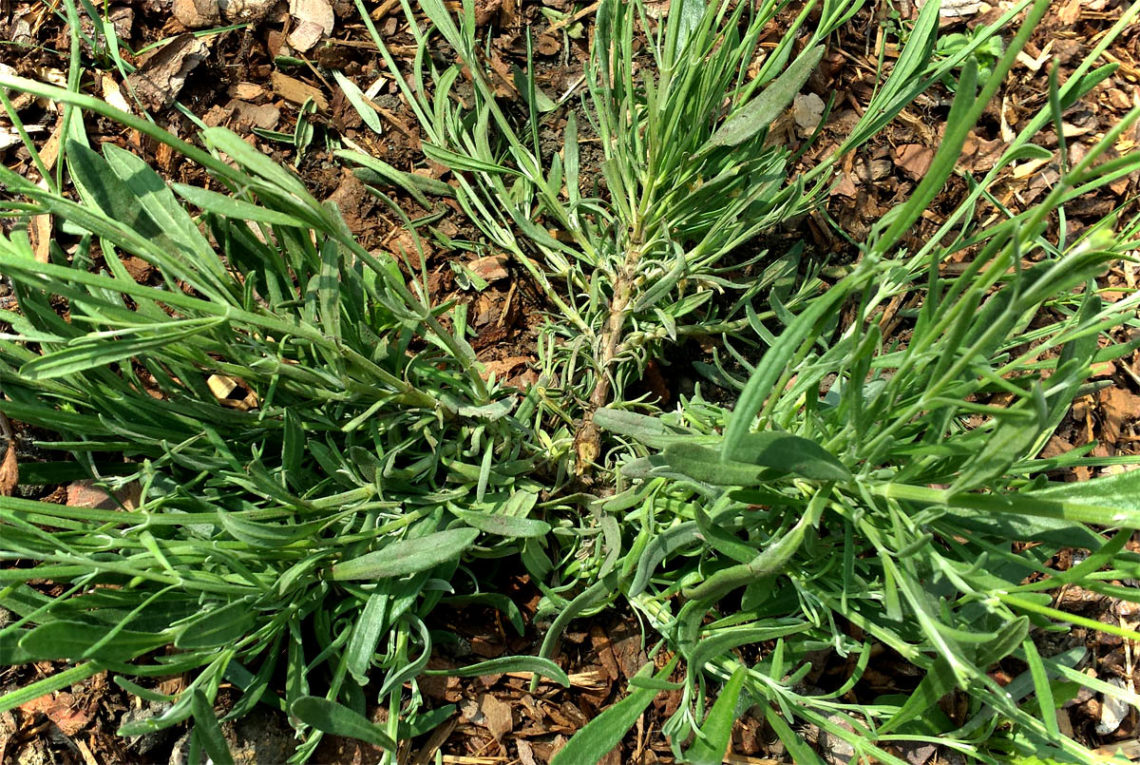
(250,79)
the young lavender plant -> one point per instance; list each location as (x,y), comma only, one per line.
(851,498)
(310,516)
(632,257)
(311,452)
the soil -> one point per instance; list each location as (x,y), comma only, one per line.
(255,80)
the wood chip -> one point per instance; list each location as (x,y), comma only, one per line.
(9,471)
(40,226)
(196,14)
(86,494)
(547,45)
(199,14)
(603,647)
(10,137)
(980,155)
(40,234)
(113,94)
(1030,167)
(491,268)
(526,752)
(496,716)
(245,91)
(1113,710)
(61,709)
(960,9)
(807,110)
(868,171)
(914,160)
(88,755)
(1119,407)
(316,19)
(500,368)
(232,392)
(296,92)
(247,115)
(305,36)
(845,187)
(158,82)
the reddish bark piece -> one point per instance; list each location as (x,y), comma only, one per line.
(980,155)
(9,471)
(603,646)
(491,268)
(1119,407)
(86,494)
(487,646)
(502,367)
(914,160)
(60,708)
(496,716)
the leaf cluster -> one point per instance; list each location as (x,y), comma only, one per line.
(862,490)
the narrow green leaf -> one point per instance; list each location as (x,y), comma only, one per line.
(707,466)
(627,423)
(654,683)
(718,645)
(1043,689)
(217,627)
(599,736)
(253,161)
(798,748)
(660,547)
(100,187)
(773,559)
(233,208)
(425,721)
(1007,639)
(686,16)
(776,360)
(762,110)
(650,431)
(11,653)
(72,640)
(160,203)
(571,159)
(415,185)
(503,525)
(366,635)
(208,730)
(457,161)
(1121,490)
(1007,441)
(339,720)
(407,556)
(328,289)
(712,742)
(1081,510)
(100,349)
(789,454)
(265,533)
(359,102)
(535,664)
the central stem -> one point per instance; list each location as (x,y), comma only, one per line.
(587,443)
